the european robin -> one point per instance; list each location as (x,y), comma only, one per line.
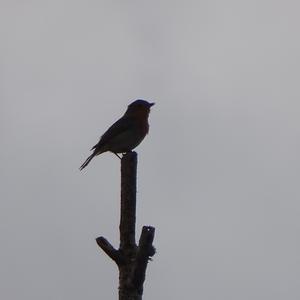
(126,133)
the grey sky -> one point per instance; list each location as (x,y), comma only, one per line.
(218,173)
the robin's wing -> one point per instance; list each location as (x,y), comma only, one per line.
(122,125)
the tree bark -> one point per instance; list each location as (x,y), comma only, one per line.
(131,259)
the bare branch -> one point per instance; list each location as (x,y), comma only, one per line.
(128,200)
(145,251)
(131,259)
(106,246)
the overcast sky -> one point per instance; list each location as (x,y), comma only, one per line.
(218,175)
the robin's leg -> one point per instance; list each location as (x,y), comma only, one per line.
(117,155)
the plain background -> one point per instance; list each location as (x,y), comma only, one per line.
(218,175)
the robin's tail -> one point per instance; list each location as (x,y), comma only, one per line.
(87,161)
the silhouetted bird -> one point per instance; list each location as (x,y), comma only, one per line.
(125,134)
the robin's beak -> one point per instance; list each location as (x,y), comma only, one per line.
(151,104)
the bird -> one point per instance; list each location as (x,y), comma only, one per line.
(126,133)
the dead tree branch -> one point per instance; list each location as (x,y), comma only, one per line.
(131,259)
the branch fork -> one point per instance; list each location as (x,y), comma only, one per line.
(131,259)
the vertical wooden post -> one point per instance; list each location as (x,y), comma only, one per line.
(132,259)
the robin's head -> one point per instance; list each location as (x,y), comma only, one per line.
(139,108)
